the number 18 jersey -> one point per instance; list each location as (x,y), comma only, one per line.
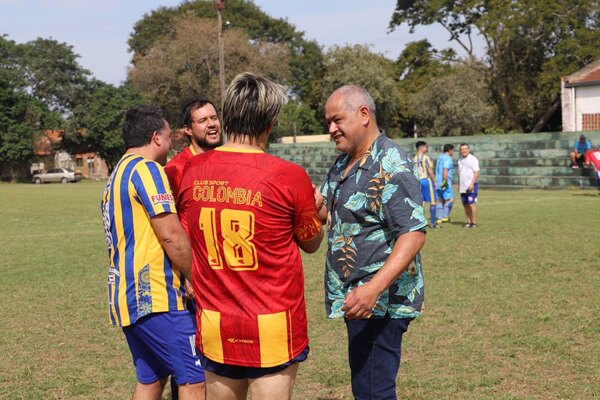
(245,212)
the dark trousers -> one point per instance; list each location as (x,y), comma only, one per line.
(374,351)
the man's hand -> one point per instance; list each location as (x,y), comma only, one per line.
(189,290)
(359,302)
(320,204)
(319,199)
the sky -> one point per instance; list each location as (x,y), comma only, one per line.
(98,30)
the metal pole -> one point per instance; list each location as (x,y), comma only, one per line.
(220,5)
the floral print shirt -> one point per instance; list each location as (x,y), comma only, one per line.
(368,209)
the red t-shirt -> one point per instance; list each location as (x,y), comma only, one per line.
(174,168)
(593,156)
(245,210)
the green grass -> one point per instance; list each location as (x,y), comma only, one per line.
(512,308)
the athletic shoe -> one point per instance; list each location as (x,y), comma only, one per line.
(470,226)
(444,220)
(436,226)
(575,166)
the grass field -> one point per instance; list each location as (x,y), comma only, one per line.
(512,308)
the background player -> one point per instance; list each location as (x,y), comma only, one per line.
(247,214)
(149,255)
(444,169)
(427,178)
(468,174)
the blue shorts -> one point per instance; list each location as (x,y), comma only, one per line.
(445,194)
(469,198)
(427,191)
(240,372)
(163,344)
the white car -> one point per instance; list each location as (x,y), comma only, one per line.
(62,175)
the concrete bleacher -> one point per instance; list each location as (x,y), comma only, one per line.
(535,160)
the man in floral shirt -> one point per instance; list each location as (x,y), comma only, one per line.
(372,202)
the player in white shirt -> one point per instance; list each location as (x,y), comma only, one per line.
(468,173)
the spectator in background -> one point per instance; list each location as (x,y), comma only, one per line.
(427,180)
(444,169)
(592,157)
(468,173)
(578,153)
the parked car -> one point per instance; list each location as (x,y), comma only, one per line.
(62,175)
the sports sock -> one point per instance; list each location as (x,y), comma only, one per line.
(447,209)
(432,211)
(440,211)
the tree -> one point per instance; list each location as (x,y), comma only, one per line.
(305,60)
(24,111)
(51,73)
(97,120)
(358,65)
(454,104)
(297,119)
(186,64)
(16,122)
(418,64)
(530,44)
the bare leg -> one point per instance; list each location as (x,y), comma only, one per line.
(193,391)
(149,391)
(222,388)
(278,386)
(468,213)
(473,208)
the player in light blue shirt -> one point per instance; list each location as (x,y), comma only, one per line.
(444,168)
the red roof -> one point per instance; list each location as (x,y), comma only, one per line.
(589,73)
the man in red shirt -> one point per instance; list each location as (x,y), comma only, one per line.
(202,126)
(593,157)
(248,215)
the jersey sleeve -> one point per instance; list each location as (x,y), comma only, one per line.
(152,189)
(446,163)
(428,163)
(174,176)
(307,223)
(475,164)
(402,204)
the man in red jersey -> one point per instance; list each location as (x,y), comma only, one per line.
(202,126)
(248,215)
(592,157)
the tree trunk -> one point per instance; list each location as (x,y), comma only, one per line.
(544,120)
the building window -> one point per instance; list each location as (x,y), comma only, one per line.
(590,122)
(79,162)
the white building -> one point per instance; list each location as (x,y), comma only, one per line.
(580,93)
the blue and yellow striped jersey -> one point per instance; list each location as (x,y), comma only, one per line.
(141,279)
(422,162)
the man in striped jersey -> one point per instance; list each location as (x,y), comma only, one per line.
(150,255)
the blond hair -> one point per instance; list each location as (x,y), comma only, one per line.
(252,104)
